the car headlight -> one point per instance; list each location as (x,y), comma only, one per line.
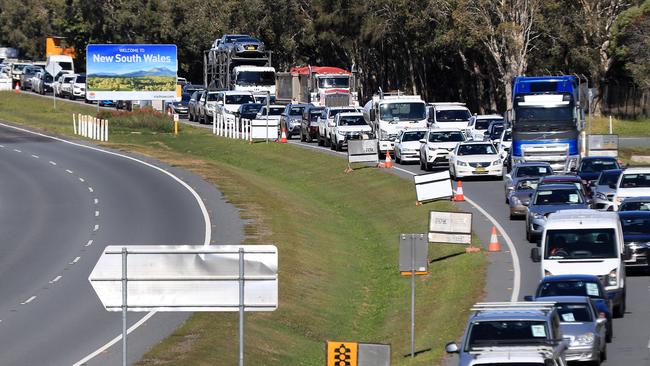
(601,196)
(497,162)
(584,340)
(461,163)
(537,215)
(611,278)
(618,200)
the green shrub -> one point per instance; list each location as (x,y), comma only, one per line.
(142,119)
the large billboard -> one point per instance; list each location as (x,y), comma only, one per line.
(131,71)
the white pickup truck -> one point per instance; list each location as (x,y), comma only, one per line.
(348,126)
(326,122)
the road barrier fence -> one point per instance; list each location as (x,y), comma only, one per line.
(90,127)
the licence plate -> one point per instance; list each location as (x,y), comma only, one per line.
(250,48)
(480,169)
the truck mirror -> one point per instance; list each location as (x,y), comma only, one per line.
(535,256)
(372,114)
(423,141)
(451,347)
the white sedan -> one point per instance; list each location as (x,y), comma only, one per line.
(474,159)
(407,145)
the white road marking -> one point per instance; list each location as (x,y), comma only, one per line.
(89,243)
(74,261)
(53,163)
(90,189)
(2,146)
(81,179)
(96,228)
(55,279)
(96,213)
(509,243)
(96,200)
(69,171)
(204,211)
(16,150)
(28,300)
(35,156)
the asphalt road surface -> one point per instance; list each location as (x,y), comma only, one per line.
(60,205)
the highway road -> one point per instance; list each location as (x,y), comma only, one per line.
(631,343)
(61,204)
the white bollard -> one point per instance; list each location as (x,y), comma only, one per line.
(101,130)
(74,124)
(106,130)
(214,124)
(93,129)
(83,125)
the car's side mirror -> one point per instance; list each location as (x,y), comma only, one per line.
(396,140)
(535,256)
(508,176)
(601,321)
(528,298)
(526,203)
(423,141)
(451,347)
(592,184)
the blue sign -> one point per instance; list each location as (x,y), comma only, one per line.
(131,71)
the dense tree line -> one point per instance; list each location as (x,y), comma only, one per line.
(465,50)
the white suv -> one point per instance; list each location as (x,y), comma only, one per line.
(633,182)
(348,126)
(449,115)
(326,123)
(479,124)
(436,146)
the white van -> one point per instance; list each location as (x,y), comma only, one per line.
(585,242)
(65,63)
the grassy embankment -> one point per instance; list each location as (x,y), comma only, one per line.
(337,238)
(621,127)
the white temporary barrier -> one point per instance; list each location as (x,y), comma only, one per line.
(228,125)
(429,187)
(90,127)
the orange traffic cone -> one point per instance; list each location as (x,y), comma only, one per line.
(389,162)
(17,89)
(494,245)
(459,196)
(283,138)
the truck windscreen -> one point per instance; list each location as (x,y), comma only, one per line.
(334,82)
(580,244)
(256,78)
(402,111)
(65,66)
(544,119)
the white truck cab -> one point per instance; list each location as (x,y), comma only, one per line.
(478,124)
(253,78)
(589,242)
(388,114)
(449,115)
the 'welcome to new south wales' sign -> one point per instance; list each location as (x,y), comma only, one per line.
(131,71)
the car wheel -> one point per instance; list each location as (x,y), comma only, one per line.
(328,142)
(398,159)
(320,140)
(332,144)
(603,354)
(452,173)
(609,334)
(619,310)
(423,165)
(529,236)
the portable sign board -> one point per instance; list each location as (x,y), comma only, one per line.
(373,354)
(187,278)
(433,186)
(341,353)
(413,254)
(450,227)
(131,72)
(363,151)
(602,145)
(263,129)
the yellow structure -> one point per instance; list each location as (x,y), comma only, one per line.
(342,353)
(58,46)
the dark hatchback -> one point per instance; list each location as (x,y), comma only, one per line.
(577,285)
(591,166)
(636,235)
(248,110)
(308,125)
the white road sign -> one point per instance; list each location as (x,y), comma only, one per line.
(450,227)
(187,278)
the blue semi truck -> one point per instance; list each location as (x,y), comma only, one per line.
(546,121)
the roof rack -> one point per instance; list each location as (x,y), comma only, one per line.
(514,306)
(548,351)
(445,103)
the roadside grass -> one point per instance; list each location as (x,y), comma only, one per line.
(621,127)
(626,153)
(337,237)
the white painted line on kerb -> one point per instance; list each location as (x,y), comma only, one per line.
(89,243)
(90,189)
(28,300)
(16,150)
(69,171)
(513,252)
(96,213)
(81,179)
(55,279)
(2,146)
(204,211)
(96,228)
(53,163)
(35,156)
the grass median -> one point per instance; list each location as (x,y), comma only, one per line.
(337,237)
(622,127)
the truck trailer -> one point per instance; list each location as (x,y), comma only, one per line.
(324,86)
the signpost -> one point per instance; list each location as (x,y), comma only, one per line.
(450,227)
(413,260)
(131,72)
(187,278)
(433,186)
(53,69)
(602,145)
(362,151)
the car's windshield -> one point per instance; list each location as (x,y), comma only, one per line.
(186,97)
(635,206)
(578,184)
(533,171)
(507,136)
(80,79)
(65,66)
(20,67)
(597,166)
(448,136)
(483,124)
(296,111)
(251,108)
(275,111)
(47,78)
(239,99)
(580,244)
(636,225)
(504,332)
(453,115)
(496,130)
(314,114)
(565,196)
(476,149)
(413,136)
(525,184)
(230,39)
(256,78)
(246,39)
(641,180)
(402,111)
(334,82)
(608,178)
(334,112)
(574,313)
(570,288)
(352,121)
(212,96)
